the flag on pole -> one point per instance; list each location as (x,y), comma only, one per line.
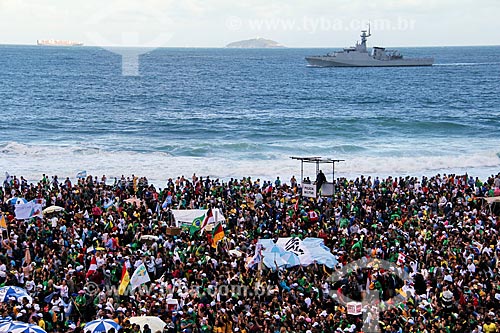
(92,267)
(81,174)
(257,257)
(208,219)
(401,258)
(139,277)
(3,223)
(196,225)
(125,280)
(217,234)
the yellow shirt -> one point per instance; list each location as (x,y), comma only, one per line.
(489,328)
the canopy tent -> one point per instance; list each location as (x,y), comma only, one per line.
(494,203)
(185,217)
(292,251)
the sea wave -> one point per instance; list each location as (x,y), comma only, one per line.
(65,161)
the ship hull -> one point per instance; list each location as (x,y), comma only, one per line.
(325,61)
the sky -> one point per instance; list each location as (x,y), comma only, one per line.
(215,23)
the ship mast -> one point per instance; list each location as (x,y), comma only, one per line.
(364,37)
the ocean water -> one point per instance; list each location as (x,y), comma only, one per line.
(234,113)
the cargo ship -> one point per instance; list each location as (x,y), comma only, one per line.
(55,42)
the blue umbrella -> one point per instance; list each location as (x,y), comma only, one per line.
(101,326)
(13,291)
(17,201)
(291,259)
(20,327)
(5,325)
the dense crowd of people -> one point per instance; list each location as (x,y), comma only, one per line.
(437,230)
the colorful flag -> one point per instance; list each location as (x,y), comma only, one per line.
(208,219)
(3,223)
(196,225)
(28,210)
(125,280)
(139,277)
(257,257)
(92,267)
(217,234)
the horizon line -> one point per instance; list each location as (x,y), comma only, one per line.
(225,47)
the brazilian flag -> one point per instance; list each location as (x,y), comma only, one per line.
(196,225)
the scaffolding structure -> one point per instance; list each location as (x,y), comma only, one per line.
(317,160)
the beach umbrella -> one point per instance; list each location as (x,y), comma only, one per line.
(100,326)
(5,326)
(155,323)
(290,259)
(13,291)
(17,201)
(52,209)
(20,327)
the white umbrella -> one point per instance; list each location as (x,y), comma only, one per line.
(52,209)
(155,323)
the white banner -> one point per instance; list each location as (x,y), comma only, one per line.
(309,190)
(28,210)
(308,251)
(185,217)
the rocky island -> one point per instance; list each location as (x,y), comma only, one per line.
(255,43)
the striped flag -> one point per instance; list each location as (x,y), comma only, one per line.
(209,218)
(81,174)
(125,280)
(217,234)
(92,267)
